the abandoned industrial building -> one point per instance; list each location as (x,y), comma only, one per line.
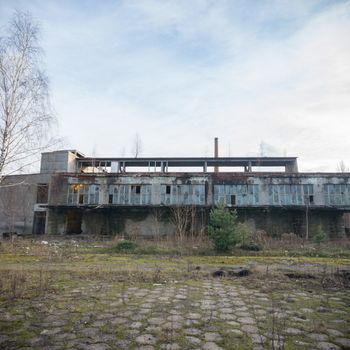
(75,194)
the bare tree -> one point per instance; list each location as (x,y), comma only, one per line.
(180,217)
(137,146)
(25,116)
(342,168)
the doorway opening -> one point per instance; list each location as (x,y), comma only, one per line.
(73,222)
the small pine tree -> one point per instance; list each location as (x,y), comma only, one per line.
(222,228)
(244,235)
(320,235)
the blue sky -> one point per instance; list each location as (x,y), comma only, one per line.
(181,72)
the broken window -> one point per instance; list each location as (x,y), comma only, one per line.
(238,195)
(130,194)
(337,194)
(287,194)
(83,194)
(311,199)
(42,194)
(183,194)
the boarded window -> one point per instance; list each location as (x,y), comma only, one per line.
(42,194)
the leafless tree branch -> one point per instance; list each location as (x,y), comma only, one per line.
(25,113)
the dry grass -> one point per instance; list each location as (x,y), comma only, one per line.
(31,267)
(20,283)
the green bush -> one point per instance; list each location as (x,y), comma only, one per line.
(250,247)
(320,235)
(222,228)
(125,245)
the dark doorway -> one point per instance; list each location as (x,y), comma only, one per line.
(39,222)
(73,223)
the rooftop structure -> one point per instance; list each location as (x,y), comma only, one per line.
(166,164)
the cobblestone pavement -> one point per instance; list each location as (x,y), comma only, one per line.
(209,314)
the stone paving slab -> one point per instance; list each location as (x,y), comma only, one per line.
(209,314)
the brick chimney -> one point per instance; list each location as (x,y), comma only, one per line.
(216,153)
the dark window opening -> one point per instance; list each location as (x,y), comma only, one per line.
(110,199)
(167,189)
(233,199)
(311,199)
(81,199)
(42,195)
(39,222)
(138,189)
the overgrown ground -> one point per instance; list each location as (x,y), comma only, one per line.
(82,294)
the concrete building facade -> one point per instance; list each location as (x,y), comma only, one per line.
(76,194)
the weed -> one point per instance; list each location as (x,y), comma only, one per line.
(125,245)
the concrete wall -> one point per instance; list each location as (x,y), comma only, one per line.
(144,221)
(18,194)
(58,162)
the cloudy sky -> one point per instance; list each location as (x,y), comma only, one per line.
(180,72)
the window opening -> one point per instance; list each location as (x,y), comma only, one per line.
(311,199)
(42,193)
(233,199)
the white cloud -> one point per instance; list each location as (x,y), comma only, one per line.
(181,72)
